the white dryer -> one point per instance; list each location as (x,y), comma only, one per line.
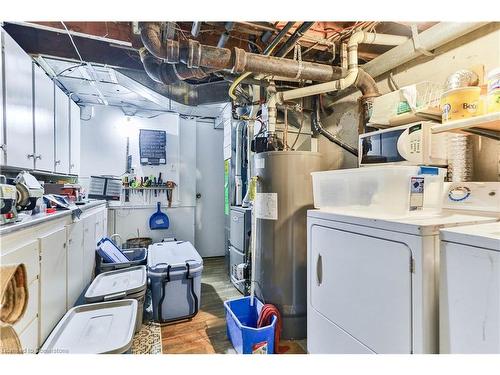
(469,315)
(373,284)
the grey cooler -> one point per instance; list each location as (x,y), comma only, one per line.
(174,269)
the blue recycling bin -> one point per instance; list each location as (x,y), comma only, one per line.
(242,331)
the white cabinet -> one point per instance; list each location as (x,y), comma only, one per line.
(89,244)
(61,163)
(100,226)
(74,136)
(75,259)
(29,338)
(53,270)
(28,255)
(18,100)
(43,99)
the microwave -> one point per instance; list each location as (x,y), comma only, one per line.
(411,144)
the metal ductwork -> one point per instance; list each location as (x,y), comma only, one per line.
(180,91)
(168,73)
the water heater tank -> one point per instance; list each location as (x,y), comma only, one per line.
(284,194)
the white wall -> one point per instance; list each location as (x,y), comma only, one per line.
(103,151)
(479,47)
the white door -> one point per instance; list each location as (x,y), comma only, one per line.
(209,223)
(89,245)
(75,259)
(62,131)
(363,285)
(18,91)
(53,273)
(44,120)
(74,157)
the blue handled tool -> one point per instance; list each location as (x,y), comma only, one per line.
(159,220)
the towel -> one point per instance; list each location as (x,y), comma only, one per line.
(13,293)
(9,341)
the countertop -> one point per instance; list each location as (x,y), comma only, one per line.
(28,221)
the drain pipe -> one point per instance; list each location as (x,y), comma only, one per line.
(196,55)
(318,127)
(359,37)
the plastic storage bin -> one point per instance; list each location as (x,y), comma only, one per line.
(174,269)
(97,328)
(130,283)
(136,256)
(242,331)
(384,190)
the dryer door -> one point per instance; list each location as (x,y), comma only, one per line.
(363,285)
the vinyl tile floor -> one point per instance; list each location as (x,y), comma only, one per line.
(206,332)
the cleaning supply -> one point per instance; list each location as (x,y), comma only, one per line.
(159,220)
(265,319)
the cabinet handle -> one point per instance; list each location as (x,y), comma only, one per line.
(29,156)
(319,270)
(39,156)
(57,162)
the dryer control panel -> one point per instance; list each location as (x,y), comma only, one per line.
(472,196)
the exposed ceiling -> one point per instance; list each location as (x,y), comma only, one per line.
(92,73)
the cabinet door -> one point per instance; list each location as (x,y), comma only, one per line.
(74,135)
(29,338)
(99,226)
(89,244)
(53,270)
(44,119)
(18,90)
(62,131)
(29,256)
(75,259)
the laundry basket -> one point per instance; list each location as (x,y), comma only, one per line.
(242,331)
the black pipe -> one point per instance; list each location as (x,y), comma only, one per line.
(285,48)
(278,38)
(318,127)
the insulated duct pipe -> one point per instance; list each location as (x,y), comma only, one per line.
(428,40)
(196,55)
(167,73)
(318,127)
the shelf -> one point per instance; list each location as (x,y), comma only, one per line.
(489,122)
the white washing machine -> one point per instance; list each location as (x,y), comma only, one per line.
(373,283)
(469,314)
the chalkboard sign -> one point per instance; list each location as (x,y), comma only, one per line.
(152,145)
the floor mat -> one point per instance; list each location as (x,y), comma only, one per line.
(147,340)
